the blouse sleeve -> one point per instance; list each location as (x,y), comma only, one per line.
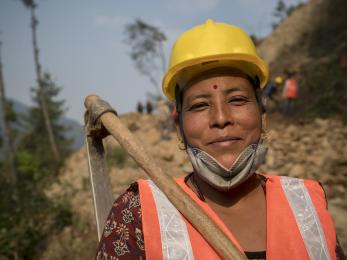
(122,237)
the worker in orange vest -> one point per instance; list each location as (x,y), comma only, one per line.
(290,93)
(214,78)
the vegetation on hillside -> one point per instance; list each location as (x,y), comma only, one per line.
(28,217)
(324,80)
(311,44)
(282,11)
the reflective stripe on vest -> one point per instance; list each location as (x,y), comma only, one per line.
(298,224)
(306,217)
(174,235)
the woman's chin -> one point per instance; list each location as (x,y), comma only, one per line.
(227,162)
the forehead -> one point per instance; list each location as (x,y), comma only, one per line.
(218,79)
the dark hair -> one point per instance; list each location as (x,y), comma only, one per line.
(258,93)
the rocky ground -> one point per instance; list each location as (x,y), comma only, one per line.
(315,149)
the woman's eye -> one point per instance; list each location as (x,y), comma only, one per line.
(198,106)
(238,101)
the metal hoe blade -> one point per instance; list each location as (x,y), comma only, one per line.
(100,182)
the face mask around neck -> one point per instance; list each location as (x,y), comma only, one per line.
(221,178)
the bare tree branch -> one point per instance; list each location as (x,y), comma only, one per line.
(147,52)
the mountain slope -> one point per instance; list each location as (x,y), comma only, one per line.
(311,43)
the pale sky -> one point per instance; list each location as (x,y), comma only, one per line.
(82,43)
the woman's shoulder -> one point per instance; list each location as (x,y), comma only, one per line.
(126,209)
(122,235)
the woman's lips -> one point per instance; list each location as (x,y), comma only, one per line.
(225,141)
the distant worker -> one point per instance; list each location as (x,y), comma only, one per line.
(139,107)
(149,107)
(269,93)
(290,94)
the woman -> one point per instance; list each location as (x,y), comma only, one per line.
(214,78)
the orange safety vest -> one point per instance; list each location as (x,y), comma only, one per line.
(298,223)
(291,89)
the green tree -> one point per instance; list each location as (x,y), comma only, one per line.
(6,135)
(280,10)
(28,217)
(147,52)
(31,5)
(36,140)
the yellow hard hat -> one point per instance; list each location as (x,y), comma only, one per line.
(278,80)
(211,45)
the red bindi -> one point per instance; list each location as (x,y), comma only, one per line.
(215,86)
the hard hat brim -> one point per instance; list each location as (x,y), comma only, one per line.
(183,72)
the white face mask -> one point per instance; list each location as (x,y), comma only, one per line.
(221,178)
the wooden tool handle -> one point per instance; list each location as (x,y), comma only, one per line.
(191,211)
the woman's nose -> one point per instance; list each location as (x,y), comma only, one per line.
(220,116)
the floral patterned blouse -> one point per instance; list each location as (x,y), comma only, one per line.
(122,237)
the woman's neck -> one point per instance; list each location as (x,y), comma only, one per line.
(229,198)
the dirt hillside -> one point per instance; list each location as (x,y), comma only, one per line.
(312,44)
(313,33)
